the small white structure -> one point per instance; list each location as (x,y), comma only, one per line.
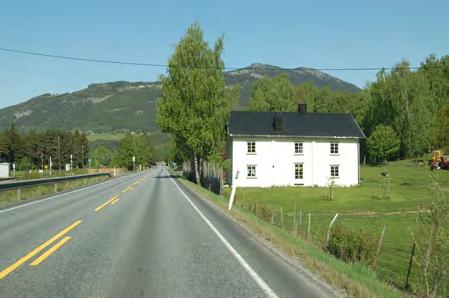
(293,149)
(4,170)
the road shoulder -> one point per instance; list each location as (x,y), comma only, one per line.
(333,276)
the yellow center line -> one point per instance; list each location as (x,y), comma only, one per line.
(105,203)
(46,254)
(115,201)
(126,189)
(38,249)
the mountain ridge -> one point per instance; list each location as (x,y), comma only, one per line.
(122,105)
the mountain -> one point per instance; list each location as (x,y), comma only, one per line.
(119,106)
(248,75)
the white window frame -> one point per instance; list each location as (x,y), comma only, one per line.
(251,169)
(334,149)
(301,171)
(299,148)
(251,147)
(332,171)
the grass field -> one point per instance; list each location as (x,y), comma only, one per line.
(158,139)
(362,207)
(105,137)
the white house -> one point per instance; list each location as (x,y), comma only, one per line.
(293,149)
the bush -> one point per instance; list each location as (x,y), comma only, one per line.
(383,144)
(351,246)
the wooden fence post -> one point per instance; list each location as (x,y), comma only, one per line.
(308,229)
(381,239)
(282,219)
(55,187)
(330,226)
(294,219)
(272,217)
(409,270)
(19,194)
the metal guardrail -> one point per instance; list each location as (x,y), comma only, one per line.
(45,181)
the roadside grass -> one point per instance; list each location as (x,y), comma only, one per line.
(25,175)
(363,207)
(11,196)
(158,139)
(354,279)
(105,137)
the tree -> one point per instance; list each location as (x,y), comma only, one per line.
(275,94)
(137,146)
(101,156)
(15,144)
(4,145)
(383,143)
(442,127)
(194,104)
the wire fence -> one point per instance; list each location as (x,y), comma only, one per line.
(395,261)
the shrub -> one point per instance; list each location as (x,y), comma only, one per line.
(351,246)
(383,144)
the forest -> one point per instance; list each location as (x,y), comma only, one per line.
(414,103)
(33,149)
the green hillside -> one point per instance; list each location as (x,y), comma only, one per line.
(121,106)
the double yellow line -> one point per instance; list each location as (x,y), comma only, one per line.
(111,201)
(53,239)
(41,247)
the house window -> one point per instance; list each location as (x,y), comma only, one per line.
(298,148)
(299,171)
(251,147)
(334,148)
(335,171)
(251,171)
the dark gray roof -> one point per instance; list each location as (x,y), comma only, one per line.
(294,124)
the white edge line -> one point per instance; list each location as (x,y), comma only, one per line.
(259,281)
(58,195)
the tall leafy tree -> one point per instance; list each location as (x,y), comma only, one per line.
(194,104)
(275,94)
(382,144)
(442,127)
(137,146)
(101,156)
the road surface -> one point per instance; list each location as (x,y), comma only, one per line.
(140,235)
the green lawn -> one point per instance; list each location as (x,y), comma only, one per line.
(158,139)
(362,207)
(408,189)
(105,137)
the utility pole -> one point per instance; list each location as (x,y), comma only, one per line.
(51,165)
(71,161)
(59,153)
(82,155)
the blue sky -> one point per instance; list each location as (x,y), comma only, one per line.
(321,34)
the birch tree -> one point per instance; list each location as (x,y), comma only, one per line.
(194,106)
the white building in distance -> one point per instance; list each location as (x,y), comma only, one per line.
(293,149)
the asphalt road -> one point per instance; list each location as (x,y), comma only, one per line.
(141,235)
